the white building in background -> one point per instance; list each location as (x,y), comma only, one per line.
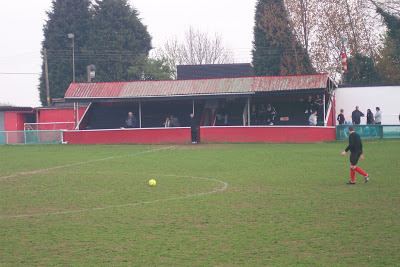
(385,97)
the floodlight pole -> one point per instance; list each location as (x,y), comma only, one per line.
(72,37)
(46,77)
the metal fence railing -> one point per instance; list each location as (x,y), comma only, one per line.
(31,137)
(369,131)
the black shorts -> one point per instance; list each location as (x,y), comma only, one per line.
(354,157)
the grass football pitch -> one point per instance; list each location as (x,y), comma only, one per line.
(214,205)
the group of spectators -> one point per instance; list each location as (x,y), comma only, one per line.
(267,115)
(313,109)
(132,122)
(263,114)
(356,116)
(171,121)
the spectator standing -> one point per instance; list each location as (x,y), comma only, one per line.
(130,121)
(175,121)
(312,120)
(167,122)
(356,116)
(262,114)
(308,107)
(270,114)
(378,116)
(253,115)
(318,104)
(340,118)
(222,116)
(194,129)
(370,117)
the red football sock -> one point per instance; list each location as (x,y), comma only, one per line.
(361,171)
(352,175)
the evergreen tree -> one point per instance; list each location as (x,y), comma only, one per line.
(276,50)
(389,63)
(361,71)
(65,16)
(118,40)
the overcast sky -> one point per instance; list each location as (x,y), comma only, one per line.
(22,23)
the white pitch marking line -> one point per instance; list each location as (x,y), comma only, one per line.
(2,178)
(133,204)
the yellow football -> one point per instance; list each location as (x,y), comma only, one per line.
(152,182)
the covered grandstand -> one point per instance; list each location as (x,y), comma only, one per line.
(215,102)
(227,110)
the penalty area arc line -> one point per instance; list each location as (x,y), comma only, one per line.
(216,190)
(38,171)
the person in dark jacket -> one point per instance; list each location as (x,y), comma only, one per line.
(370,117)
(270,115)
(340,118)
(356,116)
(318,105)
(193,129)
(356,152)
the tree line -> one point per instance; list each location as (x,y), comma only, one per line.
(107,34)
(303,36)
(290,37)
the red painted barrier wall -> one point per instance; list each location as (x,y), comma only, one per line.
(272,134)
(129,136)
(14,121)
(58,115)
(51,118)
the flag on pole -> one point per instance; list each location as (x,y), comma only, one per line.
(343,56)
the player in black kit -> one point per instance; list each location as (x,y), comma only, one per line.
(356,152)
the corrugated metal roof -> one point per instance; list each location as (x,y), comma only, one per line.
(247,85)
(289,83)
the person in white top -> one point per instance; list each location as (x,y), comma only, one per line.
(378,116)
(312,120)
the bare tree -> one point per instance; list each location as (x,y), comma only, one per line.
(197,48)
(303,19)
(326,27)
